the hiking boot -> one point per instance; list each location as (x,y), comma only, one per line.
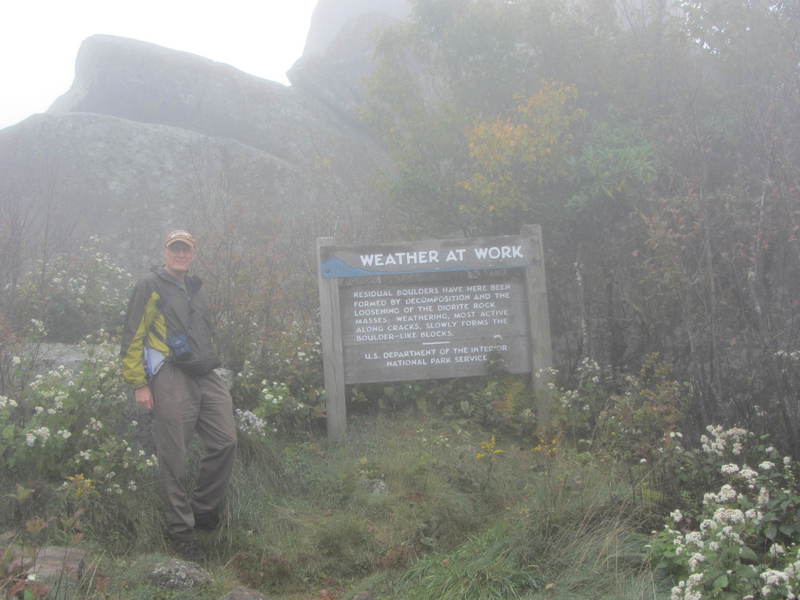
(189,549)
(206,521)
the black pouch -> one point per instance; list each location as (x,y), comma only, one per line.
(184,356)
(179,346)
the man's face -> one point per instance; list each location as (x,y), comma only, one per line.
(178,258)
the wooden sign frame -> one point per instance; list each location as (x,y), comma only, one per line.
(403,329)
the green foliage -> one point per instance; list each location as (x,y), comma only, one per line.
(394,491)
(281,388)
(614,161)
(651,407)
(69,422)
(502,403)
(345,545)
(74,294)
(72,431)
(742,541)
(630,424)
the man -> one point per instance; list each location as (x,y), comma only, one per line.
(169,358)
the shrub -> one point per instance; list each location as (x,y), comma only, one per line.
(281,384)
(70,427)
(629,423)
(742,542)
(75,294)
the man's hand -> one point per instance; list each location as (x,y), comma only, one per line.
(144,397)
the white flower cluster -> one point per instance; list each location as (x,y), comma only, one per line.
(588,366)
(690,589)
(726,495)
(94,426)
(781,584)
(275,394)
(792,355)
(569,398)
(39,434)
(724,439)
(6,402)
(38,327)
(249,422)
(72,426)
(548,373)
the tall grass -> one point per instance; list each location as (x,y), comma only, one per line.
(404,510)
(574,536)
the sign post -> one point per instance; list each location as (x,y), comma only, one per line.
(430,309)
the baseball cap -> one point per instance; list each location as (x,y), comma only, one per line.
(179,235)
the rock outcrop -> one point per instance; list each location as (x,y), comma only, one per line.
(332,18)
(79,174)
(149,138)
(340,50)
(143,82)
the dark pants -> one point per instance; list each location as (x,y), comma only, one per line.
(181,405)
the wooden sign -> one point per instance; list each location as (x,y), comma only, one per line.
(430,331)
(437,256)
(430,309)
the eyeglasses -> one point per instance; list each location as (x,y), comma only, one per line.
(180,248)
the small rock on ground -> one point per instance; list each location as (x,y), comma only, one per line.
(243,593)
(177,574)
(58,563)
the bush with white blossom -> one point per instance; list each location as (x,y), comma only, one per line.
(76,293)
(279,388)
(626,416)
(742,542)
(69,423)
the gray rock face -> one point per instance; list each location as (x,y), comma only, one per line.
(331,18)
(130,181)
(148,139)
(340,50)
(338,79)
(143,82)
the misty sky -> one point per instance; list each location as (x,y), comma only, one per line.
(39,39)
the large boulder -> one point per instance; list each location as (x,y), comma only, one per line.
(143,82)
(339,55)
(332,17)
(148,138)
(80,174)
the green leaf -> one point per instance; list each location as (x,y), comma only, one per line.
(745,572)
(747,553)
(721,582)
(787,529)
(771,531)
